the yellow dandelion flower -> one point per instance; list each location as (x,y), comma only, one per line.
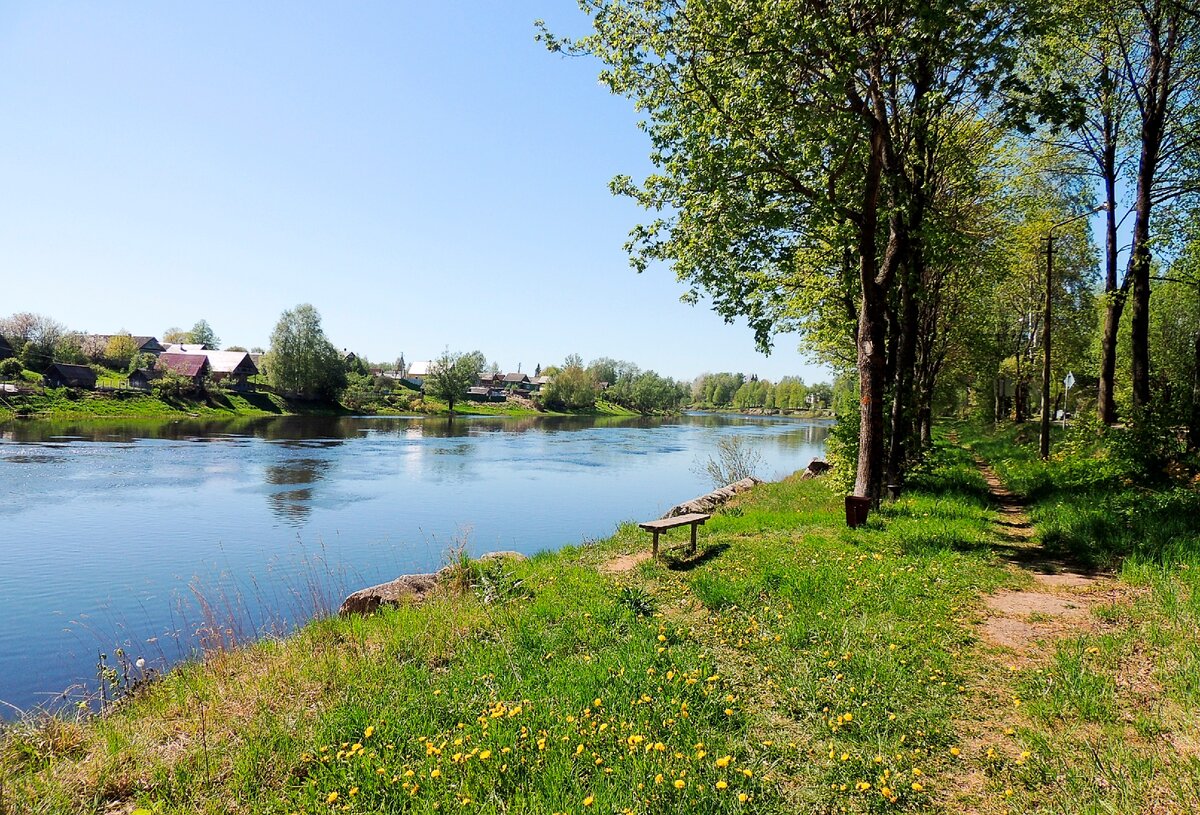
(743,797)
(434,773)
(723,761)
(591,799)
(680,783)
(333,796)
(368,732)
(485,755)
(721,784)
(954,751)
(658,779)
(353,791)
(917,786)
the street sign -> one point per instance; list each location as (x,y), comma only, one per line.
(1070,380)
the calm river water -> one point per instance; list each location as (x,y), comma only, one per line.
(118,534)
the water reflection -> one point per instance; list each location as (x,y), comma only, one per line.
(294,504)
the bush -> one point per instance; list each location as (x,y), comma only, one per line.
(10,368)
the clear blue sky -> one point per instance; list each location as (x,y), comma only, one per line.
(425,174)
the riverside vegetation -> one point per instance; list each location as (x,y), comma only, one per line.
(792,665)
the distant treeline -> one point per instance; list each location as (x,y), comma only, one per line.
(728,390)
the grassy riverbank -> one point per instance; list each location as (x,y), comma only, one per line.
(64,404)
(59,404)
(791,666)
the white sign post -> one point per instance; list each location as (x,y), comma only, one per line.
(1069,382)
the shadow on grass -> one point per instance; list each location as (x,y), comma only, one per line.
(686,564)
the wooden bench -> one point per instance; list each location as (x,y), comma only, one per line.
(692,519)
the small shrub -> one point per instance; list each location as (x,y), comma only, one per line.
(735,460)
(10,368)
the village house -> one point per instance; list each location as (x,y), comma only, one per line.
(232,368)
(62,375)
(187,348)
(418,371)
(517,381)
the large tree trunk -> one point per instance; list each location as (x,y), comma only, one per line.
(1114,304)
(1194,424)
(872,330)
(872,339)
(1159,87)
(902,391)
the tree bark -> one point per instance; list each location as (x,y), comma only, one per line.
(872,329)
(1158,89)
(1114,304)
(1194,424)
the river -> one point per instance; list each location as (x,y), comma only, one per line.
(134,535)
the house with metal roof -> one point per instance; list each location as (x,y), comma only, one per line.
(193,366)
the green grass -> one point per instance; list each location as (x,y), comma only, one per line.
(1109,719)
(792,665)
(67,404)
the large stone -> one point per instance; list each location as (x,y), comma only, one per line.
(816,468)
(407,589)
(410,588)
(711,500)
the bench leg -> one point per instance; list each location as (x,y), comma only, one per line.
(654,546)
(693,549)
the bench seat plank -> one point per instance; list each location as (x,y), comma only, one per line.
(692,519)
(678,520)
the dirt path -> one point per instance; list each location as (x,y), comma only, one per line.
(1018,629)
(1061,596)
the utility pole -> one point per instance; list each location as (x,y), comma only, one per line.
(1044,436)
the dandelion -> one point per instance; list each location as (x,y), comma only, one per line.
(723,761)
(721,784)
(591,799)
(332,797)
(368,732)
(743,797)
(917,786)
(658,779)
(485,755)
(954,751)
(680,783)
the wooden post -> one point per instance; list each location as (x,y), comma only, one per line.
(693,549)
(654,556)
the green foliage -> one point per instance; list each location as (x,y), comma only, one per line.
(69,349)
(841,451)
(301,360)
(171,385)
(571,389)
(119,351)
(452,373)
(10,368)
(202,334)
(142,360)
